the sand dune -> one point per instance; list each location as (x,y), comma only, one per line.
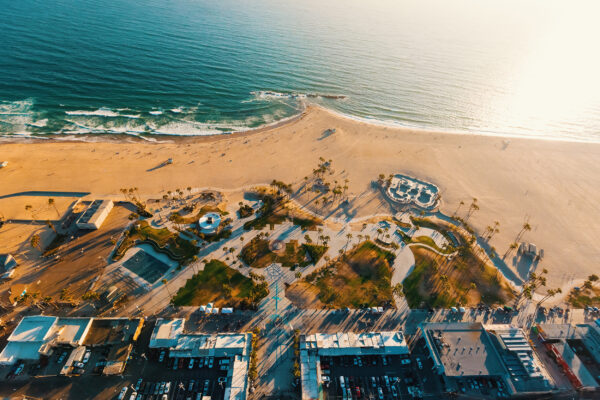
(555,184)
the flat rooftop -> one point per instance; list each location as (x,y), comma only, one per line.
(463,349)
(356,342)
(71,330)
(113,330)
(96,207)
(33,329)
(166,332)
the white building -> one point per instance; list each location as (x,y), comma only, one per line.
(28,339)
(312,347)
(169,334)
(95,214)
(166,332)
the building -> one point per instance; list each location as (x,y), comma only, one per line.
(40,336)
(314,346)
(169,334)
(28,339)
(7,266)
(462,352)
(95,214)
(166,332)
(575,350)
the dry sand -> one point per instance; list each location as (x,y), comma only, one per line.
(555,184)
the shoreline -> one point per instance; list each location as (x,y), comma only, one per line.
(306,106)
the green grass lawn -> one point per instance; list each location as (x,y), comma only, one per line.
(257,254)
(359,279)
(424,287)
(584,297)
(431,243)
(221,285)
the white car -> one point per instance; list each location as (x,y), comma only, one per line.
(138,384)
(122,393)
(191,363)
(133,396)
(86,357)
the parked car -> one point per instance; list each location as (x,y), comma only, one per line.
(191,363)
(19,369)
(122,393)
(161,357)
(138,384)
(87,355)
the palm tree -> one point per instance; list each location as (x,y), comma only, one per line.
(164,281)
(398,290)
(472,208)
(52,203)
(51,226)
(380,179)
(472,286)
(35,241)
(512,246)
(462,203)
(348,236)
(29,208)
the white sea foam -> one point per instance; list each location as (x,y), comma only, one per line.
(155,112)
(101,112)
(177,110)
(39,123)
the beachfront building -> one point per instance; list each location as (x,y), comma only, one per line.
(40,336)
(232,349)
(315,346)
(472,356)
(407,190)
(95,214)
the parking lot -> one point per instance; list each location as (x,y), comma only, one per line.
(178,379)
(369,377)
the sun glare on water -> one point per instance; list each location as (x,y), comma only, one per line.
(557,81)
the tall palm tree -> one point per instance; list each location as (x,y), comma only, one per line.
(51,202)
(462,203)
(164,281)
(51,226)
(29,208)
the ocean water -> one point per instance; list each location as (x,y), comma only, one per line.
(197,67)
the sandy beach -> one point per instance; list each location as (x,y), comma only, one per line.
(554,184)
